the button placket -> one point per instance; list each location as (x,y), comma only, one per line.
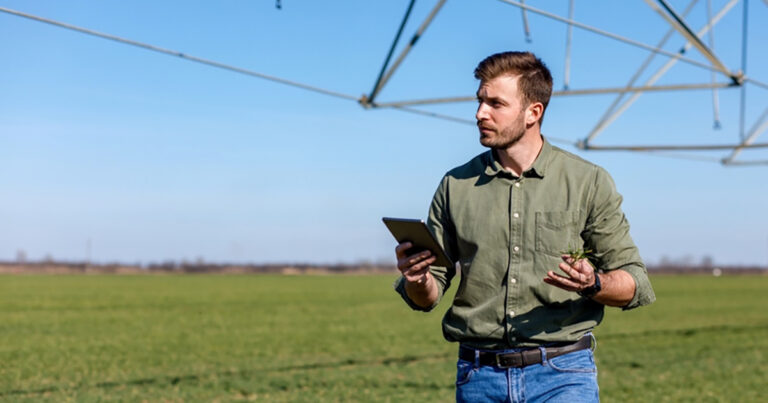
(515,254)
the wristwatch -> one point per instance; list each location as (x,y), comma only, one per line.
(593,289)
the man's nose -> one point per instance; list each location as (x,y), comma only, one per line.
(482,112)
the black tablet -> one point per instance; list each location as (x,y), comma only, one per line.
(417,233)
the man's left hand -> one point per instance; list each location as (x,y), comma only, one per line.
(579,275)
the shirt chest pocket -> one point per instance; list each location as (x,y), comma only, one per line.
(558,231)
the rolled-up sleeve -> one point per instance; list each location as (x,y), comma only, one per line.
(607,235)
(644,294)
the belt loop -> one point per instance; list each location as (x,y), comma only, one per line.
(477,357)
(543,355)
(593,344)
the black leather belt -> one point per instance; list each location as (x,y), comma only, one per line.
(521,358)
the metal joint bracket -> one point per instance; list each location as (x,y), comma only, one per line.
(365,102)
(738,78)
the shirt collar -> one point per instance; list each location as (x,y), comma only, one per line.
(537,170)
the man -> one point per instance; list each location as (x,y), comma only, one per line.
(524,310)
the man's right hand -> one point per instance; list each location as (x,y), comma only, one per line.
(419,283)
(415,268)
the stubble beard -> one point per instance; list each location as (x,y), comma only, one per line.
(508,136)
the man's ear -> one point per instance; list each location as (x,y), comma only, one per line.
(533,113)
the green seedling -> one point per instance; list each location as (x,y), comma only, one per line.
(577,254)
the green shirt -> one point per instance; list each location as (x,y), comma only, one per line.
(506,232)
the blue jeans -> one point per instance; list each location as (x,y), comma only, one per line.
(568,378)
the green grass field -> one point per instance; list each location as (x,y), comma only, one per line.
(341,338)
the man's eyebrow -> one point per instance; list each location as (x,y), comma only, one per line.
(491,99)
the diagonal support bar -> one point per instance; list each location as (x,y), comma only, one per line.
(680,25)
(410,45)
(758,128)
(376,87)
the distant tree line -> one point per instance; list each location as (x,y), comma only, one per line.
(48,265)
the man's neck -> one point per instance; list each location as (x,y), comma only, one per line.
(519,157)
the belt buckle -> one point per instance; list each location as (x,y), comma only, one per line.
(509,360)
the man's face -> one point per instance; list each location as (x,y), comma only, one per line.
(500,112)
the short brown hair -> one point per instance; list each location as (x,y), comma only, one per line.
(535,83)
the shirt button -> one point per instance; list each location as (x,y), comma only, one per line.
(516,248)
(516,215)
(517,184)
(513,281)
(511,313)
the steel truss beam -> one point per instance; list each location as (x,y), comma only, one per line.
(608,34)
(611,115)
(677,22)
(646,63)
(588,91)
(692,147)
(746,163)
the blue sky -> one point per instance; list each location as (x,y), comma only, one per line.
(150,158)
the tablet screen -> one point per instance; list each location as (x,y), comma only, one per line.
(416,232)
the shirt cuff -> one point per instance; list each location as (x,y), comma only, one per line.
(643,291)
(400,289)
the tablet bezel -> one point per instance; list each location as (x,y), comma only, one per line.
(417,232)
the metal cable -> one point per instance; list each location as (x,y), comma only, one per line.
(434,115)
(180,55)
